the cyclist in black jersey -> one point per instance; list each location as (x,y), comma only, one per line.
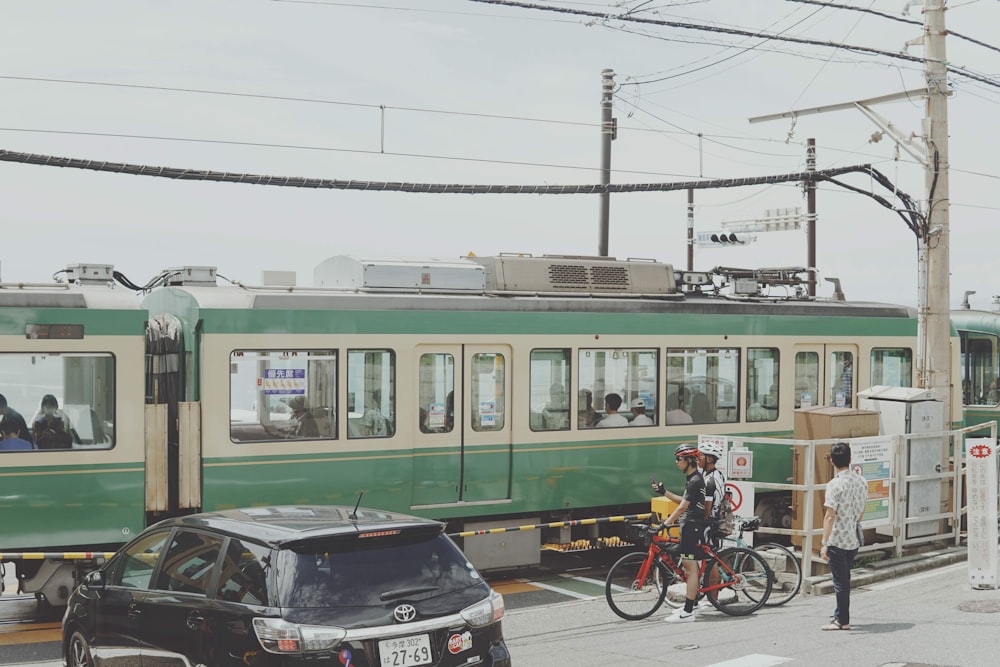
(691,512)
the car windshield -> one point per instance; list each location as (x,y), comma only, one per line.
(339,573)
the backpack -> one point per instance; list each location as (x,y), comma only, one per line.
(724,520)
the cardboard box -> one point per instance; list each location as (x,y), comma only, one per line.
(823,423)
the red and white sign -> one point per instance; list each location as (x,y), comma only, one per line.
(981,492)
(741,463)
(742,497)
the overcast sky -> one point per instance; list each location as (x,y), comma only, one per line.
(452,91)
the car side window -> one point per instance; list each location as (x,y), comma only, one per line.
(139,560)
(189,562)
(244,574)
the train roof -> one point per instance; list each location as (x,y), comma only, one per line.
(524,284)
(66,295)
(986,321)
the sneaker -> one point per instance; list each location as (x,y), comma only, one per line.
(704,605)
(681,616)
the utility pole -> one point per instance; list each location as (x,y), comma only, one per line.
(811,215)
(690,229)
(607,135)
(933,354)
(934,359)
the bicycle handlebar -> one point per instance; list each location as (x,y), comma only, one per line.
(656,529)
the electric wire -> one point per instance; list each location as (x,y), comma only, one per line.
(909,213)
(960,71)
(951,33)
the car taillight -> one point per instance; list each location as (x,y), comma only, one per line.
(278,636)
(483,613)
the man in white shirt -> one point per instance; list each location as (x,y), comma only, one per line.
(845,499)
(613,419)
(639,417)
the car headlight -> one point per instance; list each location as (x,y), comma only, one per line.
(483,613)
(279,636)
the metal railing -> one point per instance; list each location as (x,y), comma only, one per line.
(945,525)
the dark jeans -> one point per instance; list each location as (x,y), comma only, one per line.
(841,561)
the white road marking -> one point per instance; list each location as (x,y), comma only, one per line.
(752,660)
(564,591)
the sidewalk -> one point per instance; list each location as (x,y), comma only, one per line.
(888,569)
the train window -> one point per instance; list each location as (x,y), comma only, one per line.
(979,368)
(806,379)
(371,393)
(705,384)
(282,394)
(549,390)
(762,384)
(892,367)
(841,380)
(488,392)
(611,381)
(437,393)
(70,397)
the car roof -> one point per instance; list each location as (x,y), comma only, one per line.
(280,525)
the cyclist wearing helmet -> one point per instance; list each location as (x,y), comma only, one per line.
(715,488)
(715,482)
(691,512)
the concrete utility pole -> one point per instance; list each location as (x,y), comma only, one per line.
(934,359)
(933,362)
(607,135)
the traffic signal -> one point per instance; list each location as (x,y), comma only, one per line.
(729,239)
(722,239)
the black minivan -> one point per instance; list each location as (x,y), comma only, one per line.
(277,586)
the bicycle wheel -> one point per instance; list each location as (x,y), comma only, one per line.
(745,581)
(632,594)
(787,572)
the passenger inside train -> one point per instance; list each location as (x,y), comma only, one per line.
(51,427)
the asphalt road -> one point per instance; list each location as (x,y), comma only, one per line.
(930,619)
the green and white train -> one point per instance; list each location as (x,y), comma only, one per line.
(466,390)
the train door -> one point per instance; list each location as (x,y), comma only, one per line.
(824,375)
(462,449)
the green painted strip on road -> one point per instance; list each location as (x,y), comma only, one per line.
(574,587)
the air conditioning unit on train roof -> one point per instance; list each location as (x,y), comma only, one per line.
(358,273)
(577,274)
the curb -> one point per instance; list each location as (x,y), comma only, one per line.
(888,569)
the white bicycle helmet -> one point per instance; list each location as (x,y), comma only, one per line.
(711,449)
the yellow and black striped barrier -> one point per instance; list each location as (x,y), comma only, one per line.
(59,555)
(554,524)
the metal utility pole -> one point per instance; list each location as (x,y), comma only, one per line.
(934,359)
(690,229)
(607,135)
(811,216)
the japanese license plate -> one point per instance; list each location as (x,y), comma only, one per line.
(405,651)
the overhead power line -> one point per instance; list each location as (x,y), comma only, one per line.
(908,212)
(603,16)
(183,174)
(951,33)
